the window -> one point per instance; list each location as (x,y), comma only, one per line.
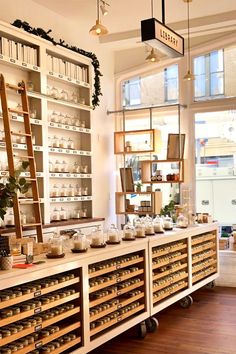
(171,83)
(131,92)
(209,74)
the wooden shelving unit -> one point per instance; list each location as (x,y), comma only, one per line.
(175,175)
(72,117)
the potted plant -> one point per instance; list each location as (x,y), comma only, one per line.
(169,210)
(10,188)
(138,186)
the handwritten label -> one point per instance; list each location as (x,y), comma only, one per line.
(51,73)
(60,76)
(67,127)
(37,293)
(24,64)
(52,124)
(38,344)
(12,60)
(67,151)
(37,328)
(36,121)
(69,79)
(38,310)
(35,67)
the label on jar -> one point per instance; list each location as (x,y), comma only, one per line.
(37,328)
(37,310)
(37,293)
(38,344)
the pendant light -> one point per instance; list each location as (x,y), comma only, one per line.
(98,29)
(152,57)
(103,7)
(189,76)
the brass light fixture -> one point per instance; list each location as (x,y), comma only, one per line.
(98,29)
(103,7)
(189,76)
(152,57)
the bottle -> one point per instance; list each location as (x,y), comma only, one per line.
(55,215)
(113,235)
(64,95)
(9,219)
(63,192)
(54,117)
(128,232)
(55,142)
(63,214)
(78,190)
(84,190)
(55,191)
(70,144)
(56,245)
(64,167)
(63,143)
(76,168)
(71,191)
(57,167)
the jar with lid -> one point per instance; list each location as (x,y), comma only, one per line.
(97,238)
(76,214)
(78,190)
(33,113)
(113,235)
(76,168)
(80,242)
(82,124)
(54,117)
(55,142)
(182,221)
(57,167)
(54,92)
(63,143)
(23,218)
(64,95)
(76,122)
(70,144)
(128,232)
(84,190)
(61,118)
(71,191)
(64,166)
(63,192)
(55,246)
(68,119)
(9,219)
(139,228)
(55,216)
(74,97)
(149,226)
(158,225)
(84,169)
(168,223)
(83,213)
(55,191)
(63,214)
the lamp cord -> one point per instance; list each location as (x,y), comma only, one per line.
(152,8)
(98,14)
(188,39)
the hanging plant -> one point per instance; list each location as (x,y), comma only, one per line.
(95,63)
(11,187)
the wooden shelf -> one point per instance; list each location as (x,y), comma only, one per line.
(146,171)
(69,128)
(169,261)
(116,280)
(203,275)
(167,250)
(42,325)
(173,280)
(21,146)
(204,256)
(116,306)
(116,320)
(201,266)
(202,238)
(67,346)
(204,247)
(23,174)
(69,175)
(36,294)
(25,314)
(116,267)
(115,294)
(69,152)
(17,118)
(169,293)
(169,271)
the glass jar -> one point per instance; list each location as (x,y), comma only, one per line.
(76,122)
(82,124)
(97,237)
(81,100)
(63,192)
(76,168)
(71,191)
(64,95)
(23,218)
(63,214)
(70,144)
(30,86)
(74,97)
(80,242)
(78,190)
(55,142)
(76,214)
(63,143)
(55,191)
(57,167)
(158,225)
(113,235)
(54,92)
(68,119)
(84,169)
(64,166)
(168,223)
(83,213)
(9,219)
(139,229)
(61,118)
(54,117)
(84,190)
(128,232)
(182,221)
(56,245)
(33,113)
(149,226)
(55,216)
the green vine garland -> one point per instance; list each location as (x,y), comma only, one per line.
(45,35)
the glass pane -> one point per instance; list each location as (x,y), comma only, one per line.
(200,86)
(200,65)
(216,61)
(217,84)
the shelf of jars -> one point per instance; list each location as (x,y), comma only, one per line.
(135,203)
(125,141)
(69,127)
(23,174)
(204,256)
(21,146)
(152,171)
(116,292)
(43,314)
(20,119)
(70,199)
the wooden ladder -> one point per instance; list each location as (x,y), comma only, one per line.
(21,89)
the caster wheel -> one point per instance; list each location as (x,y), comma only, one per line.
(186,302)
(142,330)
(152,324)
(210,285)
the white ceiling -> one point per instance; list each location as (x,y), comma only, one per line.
(123,20)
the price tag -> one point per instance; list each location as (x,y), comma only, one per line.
(88,176)
(81,153)
(24,64)
(74,128)
(59,125)
(68,175)
(52,149)
(62,199)
(37,310)
(119,319)
(14,117)
(87,130)
(50,73)
(61,174)
(12,60)
(53,200)
(60,76)
(35,67)
(67,151)
(52,124)
(2,144)
(1,56)
(38,344)
(75,152)
(36,121)
(81,129)
(37,328)
(78,82)
(76,198)
(69,79)
(3,173)
(53,174)
(68,199)
(60,150)
(67,127)
(15,145)
(37,148)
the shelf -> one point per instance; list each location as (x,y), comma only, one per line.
(69,152)
(168,250)
(25,314)
(147,171)
(116,320)
(201,266)
(115,294)
(66,346)
(116,267)
(204,247)
(29,201)
(172,280)
(116,306)
(21,119)
(44,324)
(21,146)
(39,343)
(203,275)
(118,279)
(69,175)
(169,261)
(169,293)
(202,238)
(23,174)
(169,271)
(67,79)
(157,182)
(69,128)
(162,161)
(70,199)
(204,256)
(20,64)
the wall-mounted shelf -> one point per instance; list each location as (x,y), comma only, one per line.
(171,175)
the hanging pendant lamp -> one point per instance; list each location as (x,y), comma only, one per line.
(98,29)
(189,76)
(152,57)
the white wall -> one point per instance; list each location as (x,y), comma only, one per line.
(75,33)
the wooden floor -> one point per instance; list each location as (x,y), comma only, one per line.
(207,327)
